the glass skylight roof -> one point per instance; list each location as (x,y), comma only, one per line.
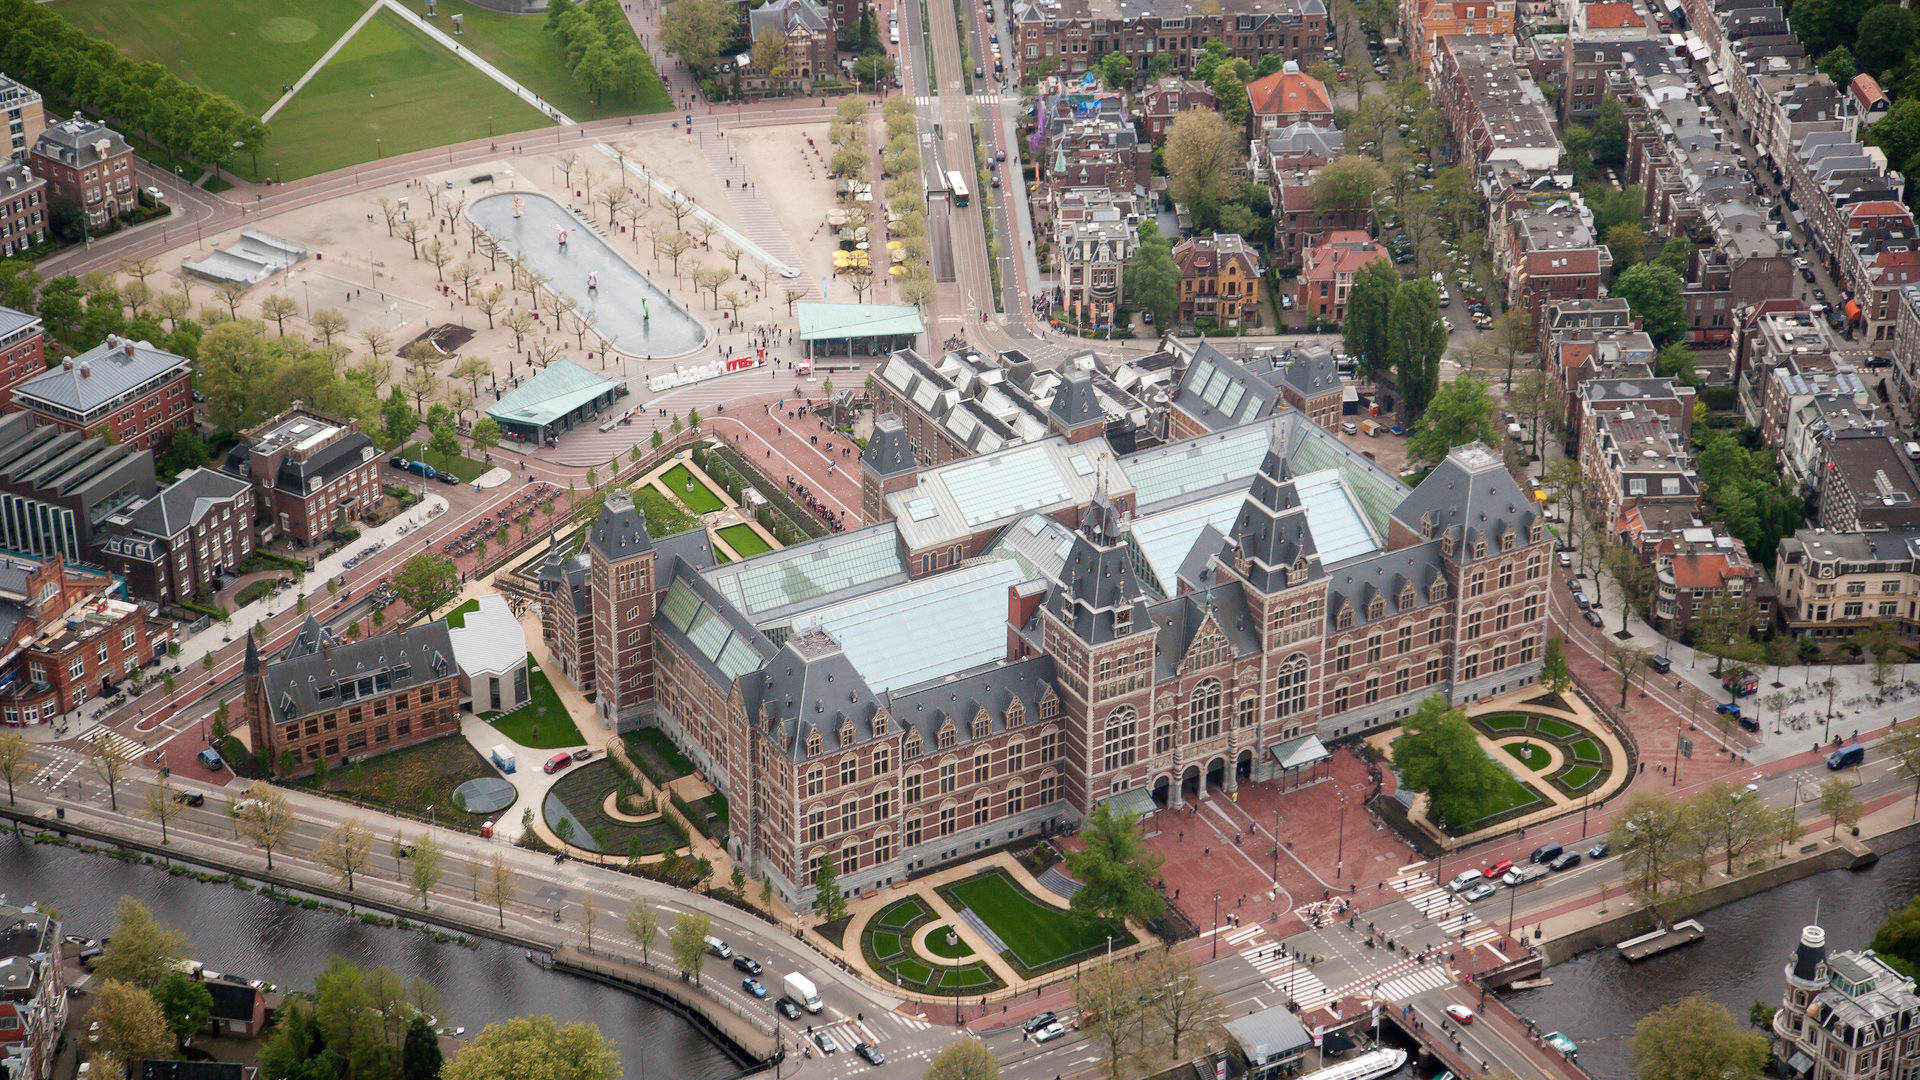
(1162,541)
(924,629)
(708,631)
(1167,472)
(783,578)
(1339,530)
(1001,486)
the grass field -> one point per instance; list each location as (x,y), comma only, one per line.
(664,516)
(583,793)
(246,51)
(1532,755)
(689,490)
(1578,777)
(458,616)
(937,944)
(542,723)
(414,779)
(421,96)
(744,540)
(1038,936)
(1556,728)
(520,46)
(655,754)
(465,468)
(1504,722)
(1585,749)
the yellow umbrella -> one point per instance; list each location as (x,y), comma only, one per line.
(894,245)
(896,270)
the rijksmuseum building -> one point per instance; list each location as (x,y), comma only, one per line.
(1022,635)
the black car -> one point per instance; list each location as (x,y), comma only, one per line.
(870,1053)
(1566,861)
(1038,1022)
(747,964)
(397,462)
(1807,273)
(787,1009)
(190,798)
(447,478)
(1660,664)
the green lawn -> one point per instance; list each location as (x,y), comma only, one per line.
(664,516)
(1532,755)
(901,913)
(937,944)
(542,723)
(886,944)
(465,468)
(656,755)
(1578,777)
(458,616)
(246,51)
(582,792)
(910,970)
(1512,797)
(965,978)
(1504,722)
(744,540)
(414,779)
(393,84)
(1586,750)
(1039,937)
(1556,728)
(689,490)
(520,46)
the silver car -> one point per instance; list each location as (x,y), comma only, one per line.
(1479,892)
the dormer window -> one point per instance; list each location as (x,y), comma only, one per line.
(910,746)
(947,737)
(1437,591)
(813,742)
(1049,705)
(1479,549)
(846,733)
(1506,540)
(981,725)
(1426,525)
(1344,620)
(1534,534)
(1016,714)
(1406,598)
(1376,608)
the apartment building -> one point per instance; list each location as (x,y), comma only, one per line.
(311,473)
(90,163)
(1427,21)
(23,350)
(345,700)
(33,990)
(23,208)
(1869,485)
(1327,272)
(59,487)
(129,390)
(1834,584)
(1632,459)
(1075,34)
(176,544)
(1498,114)
(25,116)
(1167,97)
(74,638)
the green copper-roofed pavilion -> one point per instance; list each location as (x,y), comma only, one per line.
(858,329)
(555,399)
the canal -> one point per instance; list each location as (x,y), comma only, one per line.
(243,933)
(1596,997)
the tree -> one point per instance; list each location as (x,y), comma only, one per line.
(1886,35)
(1652,292)
(674,244)
(1898,939)
(110,758)
(236,363)
(232,292)
(1369,302)
(1609,141)
(264,817)
(1696,1038)
(420,1057)
(1441,756)
(426,581)
(1901,747)
(1152,281)
(1202,157)
(1415,343)
(444,441)
(1840,800)
(278,308)
(1460,412)
(346,849)
(538,1047)
(1627,243)
(770,54)
(422,386)
(141,950)
(424,867)
(501,887)
(1728,819)
(185,1004)
(1838,65)
(688,941)
(1651,836)
(1116,867)
(1178,999)
(161,805)
(826,890)
(1108,1000)
(1554,673)
(967,1058)
(15,759)
(128,1022)
(642,924)
(1229,88)
(1349,182)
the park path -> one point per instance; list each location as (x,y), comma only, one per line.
(337,45)
(758,218)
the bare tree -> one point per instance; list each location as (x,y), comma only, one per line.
(136,295)
(110,758)
(277,308)
(464,275)
(172,307)
(422,386)
(543,352)
(330,322)
(679,206)
(411,232)
(489,301)
(674,244)
(346,850)
(231,292)
(793,295)
(710,278)
(439,254)
(521,323)
(377,341)
(731,251)
(139,269)
(263,816)
(613,199)
(391,210)
(163,804)
(734,302)
(501,886)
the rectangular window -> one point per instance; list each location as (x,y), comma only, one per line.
(849,816)
(913,788)
(982,809)
(947,777)
(816,826)
(982,768)
(849,772)
(882,805)
(913,833)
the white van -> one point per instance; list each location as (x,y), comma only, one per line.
(718,948)
(1466,880)
(1913,451)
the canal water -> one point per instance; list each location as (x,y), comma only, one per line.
(243,933)
(1596,997)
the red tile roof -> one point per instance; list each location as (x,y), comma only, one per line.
(1340,254)
(1884,208)
(1698,571)
(1568,263)
(1288,93)
(1612,16)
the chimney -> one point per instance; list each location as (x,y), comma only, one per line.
(129,348)
(86,369)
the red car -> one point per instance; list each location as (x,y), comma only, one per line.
(558,762)
(1498,868)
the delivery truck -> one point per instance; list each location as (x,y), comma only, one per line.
(801,991)
(502,757)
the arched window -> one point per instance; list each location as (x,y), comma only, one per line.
(1119,738)
(1203,711)
(1292,696)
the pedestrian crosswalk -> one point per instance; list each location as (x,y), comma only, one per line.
(1453,926)
(1431,977)
(122,746)
(911,1023)
(1407,883)
(1435,903)
(1288,975)
(58,769)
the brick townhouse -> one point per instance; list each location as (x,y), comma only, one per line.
(75,640)
(23,208)
(345,700)
(23,350)
(129,391)
(311,473)
(174,545)
(90,163)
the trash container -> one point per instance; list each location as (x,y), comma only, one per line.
(486,829)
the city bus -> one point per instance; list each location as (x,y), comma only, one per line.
(957,186)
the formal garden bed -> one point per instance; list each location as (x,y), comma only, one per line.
(417,781)
(887,946)
(742,539)
(576,810)
(686,487)
(1585,763)
(1038,936)
(656,756)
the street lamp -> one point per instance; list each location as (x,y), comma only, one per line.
(1216,924)
(1340,847)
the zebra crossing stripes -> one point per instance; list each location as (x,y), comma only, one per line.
(1480,937)
(1458,923)
(57,770)
(1301,986)
(1435,903)
(1411,883)
(911,1023)
(123,747)
(1432,977)
(1266,959)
